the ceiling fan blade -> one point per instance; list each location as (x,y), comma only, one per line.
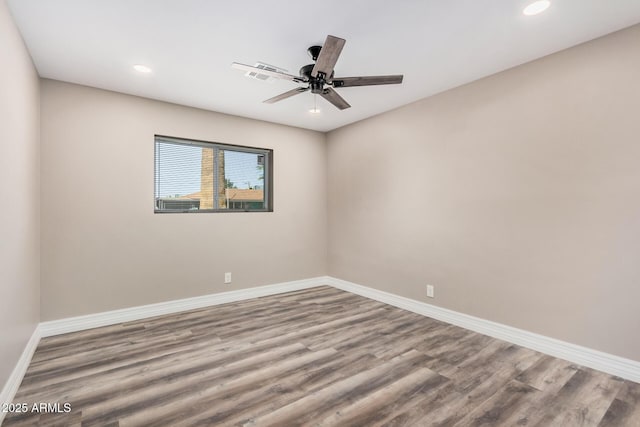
(275,74)
(333,97)
(328,56)
(286,95)
(367,80)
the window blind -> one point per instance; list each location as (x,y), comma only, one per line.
(193,176)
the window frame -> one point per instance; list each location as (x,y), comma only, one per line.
(268,171)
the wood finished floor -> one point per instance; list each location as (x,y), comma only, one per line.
(318,357)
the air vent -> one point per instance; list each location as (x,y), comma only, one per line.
(256,75)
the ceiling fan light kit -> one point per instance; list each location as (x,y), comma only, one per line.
(319,76)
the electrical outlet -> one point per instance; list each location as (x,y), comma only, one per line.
(227,277)
(430,291)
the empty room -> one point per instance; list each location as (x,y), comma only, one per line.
(347,213)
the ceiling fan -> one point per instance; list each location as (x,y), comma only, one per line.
(317,75)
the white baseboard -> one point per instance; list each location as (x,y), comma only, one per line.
(624,368)
(13,382)
(614,365)
(74,324)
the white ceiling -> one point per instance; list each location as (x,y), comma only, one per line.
(190,44)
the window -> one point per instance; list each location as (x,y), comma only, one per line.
(197,176)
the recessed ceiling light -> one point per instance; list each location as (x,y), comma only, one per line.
(536,7)
(314,111)
(142,68)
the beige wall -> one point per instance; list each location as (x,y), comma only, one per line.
(20,195)
(103,248)
(517,196)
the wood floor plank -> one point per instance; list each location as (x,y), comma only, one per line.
(386,401)
(630,393)
(193,382)
(500,407)
(318,356)
(548,374)
(624,411)
(480,378)
(583,400)
(179,407)
(323,403)
(420,409)
(275,393)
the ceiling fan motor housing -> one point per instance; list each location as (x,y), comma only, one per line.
(305,72)
(316,84)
